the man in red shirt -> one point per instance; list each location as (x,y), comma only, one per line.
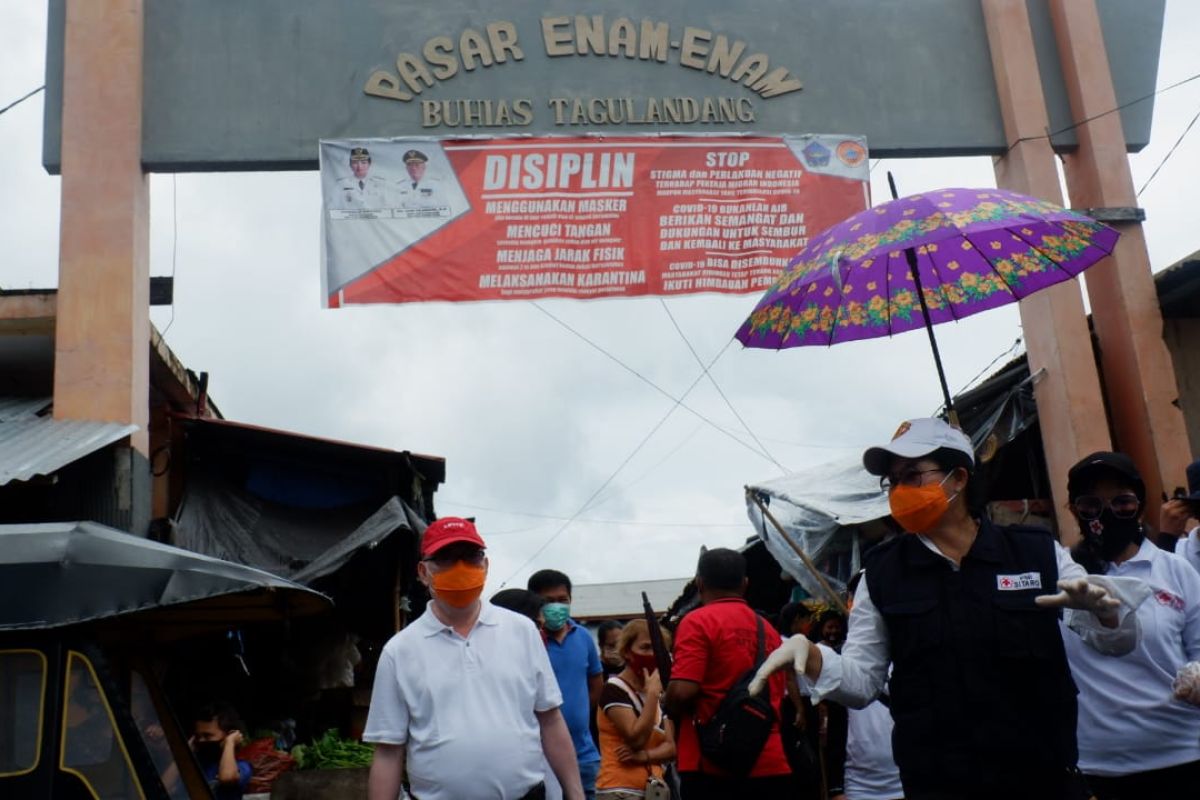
(714,646)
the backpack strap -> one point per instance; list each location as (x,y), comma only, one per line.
(761,655)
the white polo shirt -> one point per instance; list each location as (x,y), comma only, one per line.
(465,707)
(1129,720)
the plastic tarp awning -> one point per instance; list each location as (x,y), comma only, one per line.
(220,519)
(57,574)
(822,508)
(392,516)
(818,509)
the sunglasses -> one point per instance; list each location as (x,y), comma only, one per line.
(1123,506)
(444,559)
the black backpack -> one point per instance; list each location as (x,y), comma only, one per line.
(735,735)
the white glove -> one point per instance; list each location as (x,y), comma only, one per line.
(793,652)
(1187,683)
(1083,595)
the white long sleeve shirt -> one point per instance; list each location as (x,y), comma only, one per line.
(857,675)
(1129,719)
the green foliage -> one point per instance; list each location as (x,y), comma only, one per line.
(331,751)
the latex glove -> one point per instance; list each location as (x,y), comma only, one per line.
(1083,595)
(793,652)
(1187,683)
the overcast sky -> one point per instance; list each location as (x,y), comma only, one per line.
(531,419)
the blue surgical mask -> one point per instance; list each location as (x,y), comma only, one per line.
(556,615)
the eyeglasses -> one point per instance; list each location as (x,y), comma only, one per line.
(444,559)
(910,477)
(1123,506)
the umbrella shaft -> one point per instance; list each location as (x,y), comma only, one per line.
(911,255)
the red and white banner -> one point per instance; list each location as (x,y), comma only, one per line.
(474,219)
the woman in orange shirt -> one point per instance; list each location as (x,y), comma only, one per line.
(635,738)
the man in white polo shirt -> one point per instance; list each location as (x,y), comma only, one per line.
(465,696)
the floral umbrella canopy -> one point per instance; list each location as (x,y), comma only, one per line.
(962,250)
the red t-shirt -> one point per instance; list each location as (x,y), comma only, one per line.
(715,645)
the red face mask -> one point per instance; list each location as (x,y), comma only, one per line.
(919,508)
(641,663)
(460,585)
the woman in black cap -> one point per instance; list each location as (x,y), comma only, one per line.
(966,612)
(1136,738)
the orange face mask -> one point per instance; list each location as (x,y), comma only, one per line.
(918,508)
(460,585)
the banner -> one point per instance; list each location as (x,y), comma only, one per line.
(408,220)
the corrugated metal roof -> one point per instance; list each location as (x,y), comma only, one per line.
(14,407)
(590,601)
(31,445)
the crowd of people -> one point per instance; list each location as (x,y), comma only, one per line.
(977,661)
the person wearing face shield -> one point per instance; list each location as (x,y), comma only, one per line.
(1139,731)
(465,701)
(966,612)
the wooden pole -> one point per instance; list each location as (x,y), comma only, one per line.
(816,573)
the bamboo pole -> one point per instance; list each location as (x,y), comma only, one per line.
(816,573)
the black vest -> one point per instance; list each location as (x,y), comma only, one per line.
(980,687)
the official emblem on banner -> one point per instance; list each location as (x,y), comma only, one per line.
(409,220)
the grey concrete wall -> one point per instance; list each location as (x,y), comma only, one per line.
(233,85)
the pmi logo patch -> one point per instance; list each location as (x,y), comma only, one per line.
(1019,583)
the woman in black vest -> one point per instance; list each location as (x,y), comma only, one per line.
(967,613)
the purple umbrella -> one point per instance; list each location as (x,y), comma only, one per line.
(921,260)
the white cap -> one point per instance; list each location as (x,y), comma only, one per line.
(916,438)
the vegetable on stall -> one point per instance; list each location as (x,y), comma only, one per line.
(331,751)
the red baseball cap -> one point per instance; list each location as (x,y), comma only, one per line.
(446,531)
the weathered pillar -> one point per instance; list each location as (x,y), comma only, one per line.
(1139,378)
(102,330)
(102,336)
(1069,402)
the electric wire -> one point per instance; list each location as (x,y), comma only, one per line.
(815,445)
(1170,153)
(1012,348)
(617,491)
(22,99)
(654,385)
(588,520)
(717,386)
(677,402)
(1086,120)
